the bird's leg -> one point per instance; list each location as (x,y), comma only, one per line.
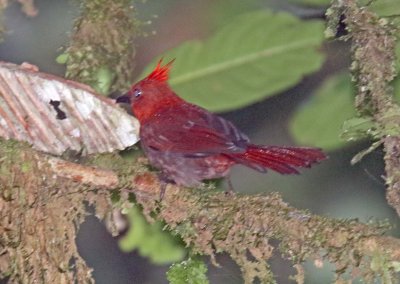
(164,181)
(163,187)
(230,190)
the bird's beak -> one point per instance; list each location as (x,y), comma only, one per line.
(126,99)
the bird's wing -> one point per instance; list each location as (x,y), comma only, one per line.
(192,131)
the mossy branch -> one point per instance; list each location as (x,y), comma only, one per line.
(373,42)
(210,222)
(102,47)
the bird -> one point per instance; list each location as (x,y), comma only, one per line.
(189,144)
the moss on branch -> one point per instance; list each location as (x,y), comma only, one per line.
(243,227)
(373,42)
(210,222)
(102,46)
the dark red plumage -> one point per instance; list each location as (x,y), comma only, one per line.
(190,144)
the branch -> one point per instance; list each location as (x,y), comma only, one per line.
(102,46)
(373,55)
(210,222)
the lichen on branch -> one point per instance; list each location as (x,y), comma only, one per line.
(373,42)
(102,47)
(39,217)
(243,227)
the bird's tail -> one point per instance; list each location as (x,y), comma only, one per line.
(284,160)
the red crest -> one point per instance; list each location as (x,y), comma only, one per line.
(161,73)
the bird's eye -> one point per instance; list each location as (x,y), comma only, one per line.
(137,93)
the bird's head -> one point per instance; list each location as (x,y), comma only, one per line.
(151,94)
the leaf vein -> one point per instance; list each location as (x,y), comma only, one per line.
(229,63)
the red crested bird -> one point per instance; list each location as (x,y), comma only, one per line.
(189,144)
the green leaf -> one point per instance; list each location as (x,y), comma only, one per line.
(62,58)
(384,7)
(311,2)
(256,55)
(319,122)
(220,12)
(396,86)
(328,119)
(188,272)
(357,128)
(104,78)
(381,7)
(151,240)
(397,62)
